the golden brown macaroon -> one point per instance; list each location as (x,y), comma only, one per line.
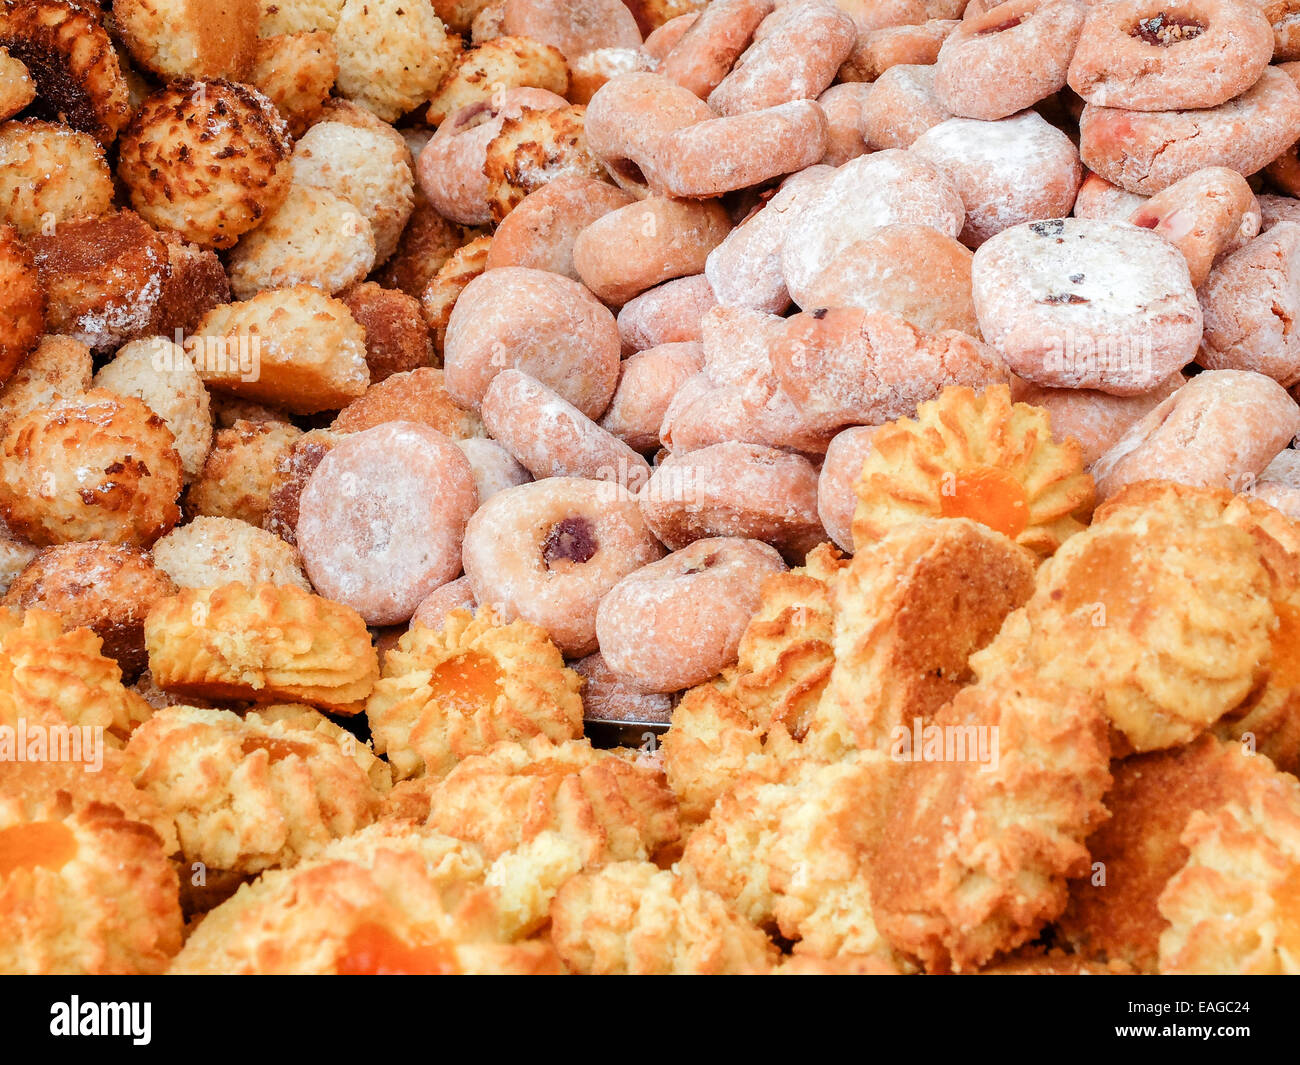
(1160,609)
(392,54)
(58,368)
(209,159)
(414,396)
(978,456)
(440,295)
(245,794)
(235,481)
(397,338)
(291,475)
(633,918)
(196,283)
(107,588)
(1113,915)
(17,89)
(22,303)
(264,642)
(534,148)
(86,887)
(448,693)
(61,677)
(69,56)
(294,348)
(51,174)
(910,610)
(427,242)
(190,38)
(296,71)
(391,899)
(500,64)
(97,466)
(973,858)
(298,16)
(210,552)
(104,277)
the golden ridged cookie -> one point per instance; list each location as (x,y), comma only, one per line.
(633,918)
(391,899)
(1160,608)
(455,691)
(978,456)
(1235,906)
(304,718)
(973,856)
(247,795)
(264,642)
(710,745)
(910,609)
(85,883)
(55,677)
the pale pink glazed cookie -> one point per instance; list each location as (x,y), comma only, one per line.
(722,155)
(1095,419)
(495,469)
(1279,484)
(549,551)
(1146,151)
(666,314)
(434,607)
(660,41)
(796,58)
(677,622)
(538,322)
(1202,215)
(646,387)
(734,489)
(842,106)
(1219,430)
(450,169)
(836,499)
(910,270)
(606,696)
(628,117)
(1275,209)
(1098,198)
(1146,55)
(539,233)
(1015,170)
(847,366)
(859,198)
(552,438)
(589,72)
(575,27)
(1250,301)
(1008,58)
(704,54)
(381,520)
(877,50)
(1078,303)
(901,106)
(634,248)
(745,269)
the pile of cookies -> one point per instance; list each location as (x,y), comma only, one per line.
(881,413)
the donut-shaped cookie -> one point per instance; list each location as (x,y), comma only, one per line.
(836,499)
(842,106)
(646,387)
(705,52)
(677,622)
(382,517)
(549,552)
(878,50)
(901,106)
(495,469)
(575,29)
(666,314)
(1095,419)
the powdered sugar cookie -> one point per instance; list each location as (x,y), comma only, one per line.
(666,314)
(836,500)
(901,106)
(647,385)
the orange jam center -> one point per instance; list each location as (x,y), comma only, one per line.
(41,845)
(468,683)
(1285,660)
(277,749)
(989,496)
(372,950)
(1286,901)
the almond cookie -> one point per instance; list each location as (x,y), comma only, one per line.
(452,692)
(291,474)
(1080,303)
(196,283)
(298,16)
(51,174)
(439,296)
(209,159)
(186,39)
(262,642)
(397,338)
(427,242)
(58,368)
(209,552)
(1098,198)
(392,54)
(49,488)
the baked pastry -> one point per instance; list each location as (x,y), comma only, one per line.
(58,368)
(209,552)
(190,38)
(263,642)
(17,89)
(296,71)
(392,54)
(535,147)
(236,478)
(52,174)
(449,693)
(22,306)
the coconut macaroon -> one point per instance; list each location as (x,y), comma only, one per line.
(159,373)
(633,918)
(49,174)
(453,277)
(297,16)
(296,72)
(22,302)
(533,148)
(455,691)
(209,159)
(58,368)
(367,169)
(263,642)
(500,64)
(245,794)
(392,54)
(236,479)
(17,89)
(189,38)
(86,887)
(209,552)
(294,348)
(391,898)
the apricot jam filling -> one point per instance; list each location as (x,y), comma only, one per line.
(989,496)
(372,950)
(40,845)
(468,683)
